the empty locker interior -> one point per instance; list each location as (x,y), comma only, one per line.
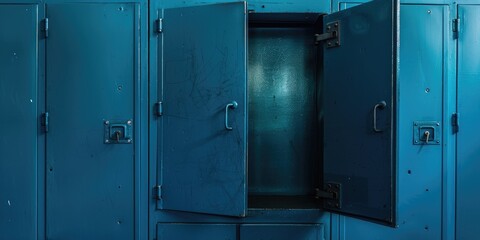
(284,110)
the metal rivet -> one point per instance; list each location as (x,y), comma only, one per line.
(438,141)
(416,124)
(329,44)
(427,90)
(107,122)
(106,141)
(129,140)
(429,11)
(416,141)
(438,124)
(129,122)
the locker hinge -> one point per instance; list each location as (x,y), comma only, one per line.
(455,27)
(159,25)
(331,35)
(159,109)
(44,121)
(455,125)
(157,192)
(45,27)
(331,195)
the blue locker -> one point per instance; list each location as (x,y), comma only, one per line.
(19,102)
(95,64)
(468,114)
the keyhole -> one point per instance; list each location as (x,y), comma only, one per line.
(427,136)
(117,135)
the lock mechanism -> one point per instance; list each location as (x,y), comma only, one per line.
(426,133)
(117,132)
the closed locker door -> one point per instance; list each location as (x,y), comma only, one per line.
(92,69)
(468,145)
(18,121)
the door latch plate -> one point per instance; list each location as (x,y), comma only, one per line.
(118,132)
(426,133)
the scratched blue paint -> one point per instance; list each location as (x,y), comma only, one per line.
(204,69)
(366,171)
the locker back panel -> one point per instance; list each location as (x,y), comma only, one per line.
(18,121)
(282,86)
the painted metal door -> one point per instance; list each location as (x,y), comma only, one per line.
(359,108)
(92,68)
(18,121)
(202,131)
(468,146)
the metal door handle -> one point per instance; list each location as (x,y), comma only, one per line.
(231,105)
(380,105)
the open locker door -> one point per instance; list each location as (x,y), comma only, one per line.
(203,117)
(360,74)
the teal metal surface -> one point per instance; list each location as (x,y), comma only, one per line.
(18,121)
(426,174)
(282,85)
(175,231)
(468,146)
(358,155)
(297,6)
(203,164)
(92,71)
(281,231)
